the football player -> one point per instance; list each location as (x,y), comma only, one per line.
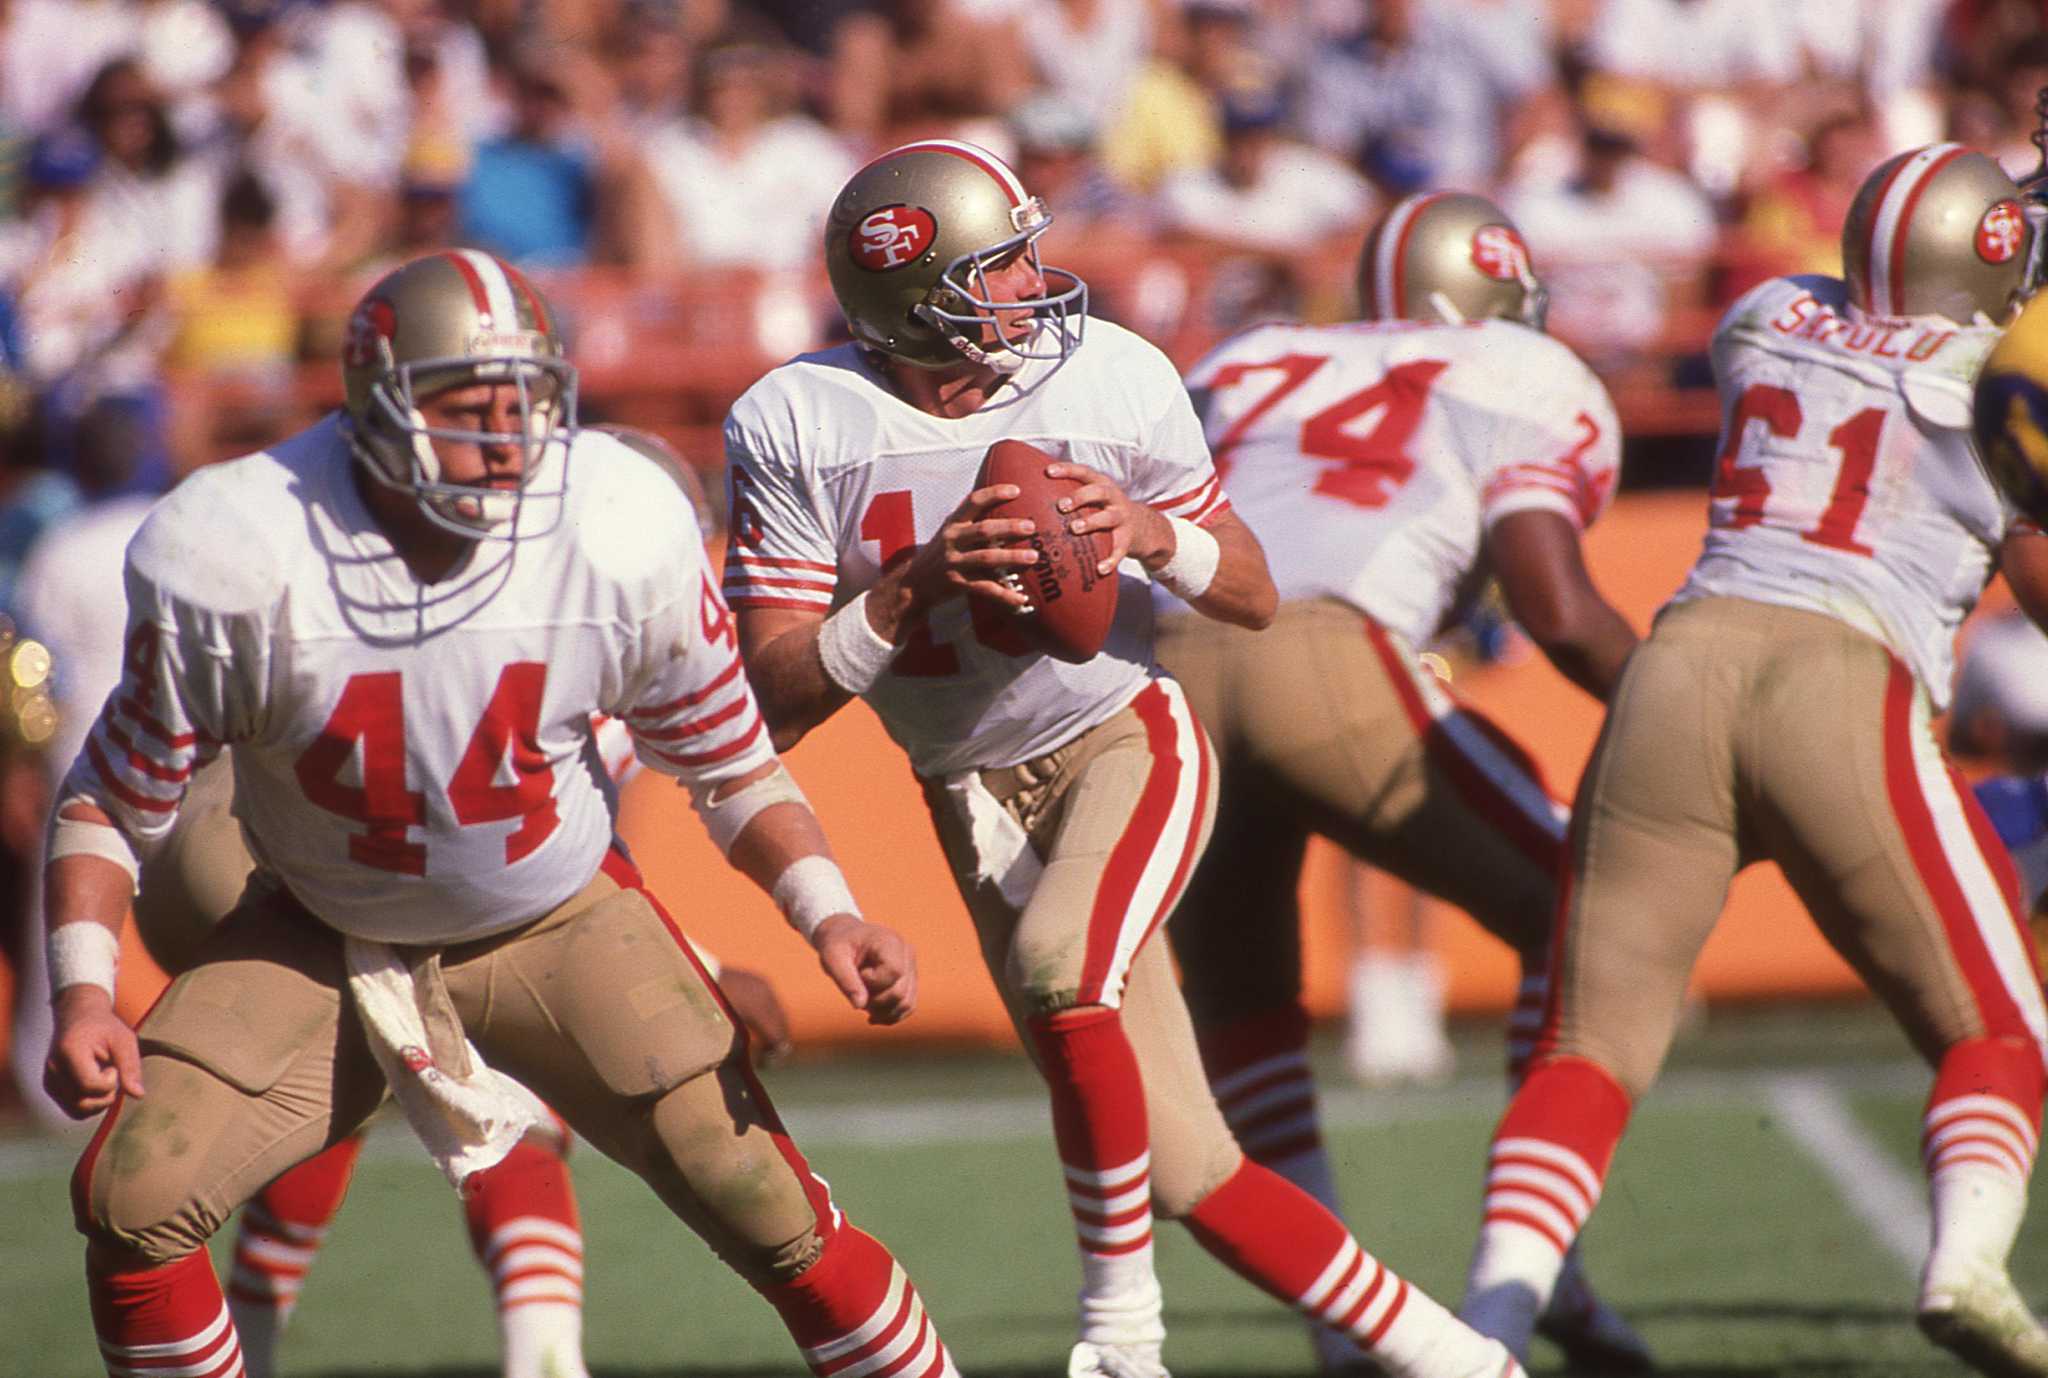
(1779,709)
(521,1213)
(1405,457)
(1070,800)
(402,620)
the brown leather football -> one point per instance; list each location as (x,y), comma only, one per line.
(1071,604)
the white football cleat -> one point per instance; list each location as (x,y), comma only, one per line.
(1985,1323)
(1115,1361)
(1591,1333)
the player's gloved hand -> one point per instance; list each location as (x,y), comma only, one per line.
(1099,504)
(755,1001)
(873,966)
(93,1055)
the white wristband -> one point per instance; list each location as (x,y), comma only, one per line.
(82,952)
(811,890)
(853,653)
(1195,557)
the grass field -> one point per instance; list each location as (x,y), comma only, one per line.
(1762,1221)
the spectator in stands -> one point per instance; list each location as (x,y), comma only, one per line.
(266,114)
(49,50)
(1089,51)
(748,181)
(1793,225)
(1269,192)
(1095,219)
(565,185)
(1170,121)
(83,281)
(1418,94)
(143,176)
(234,324)
(951,65)
(1625,238)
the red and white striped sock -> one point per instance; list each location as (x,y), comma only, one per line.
(855,1314)
(1525,1023)
(1258,1069)
(1283,1241)
(280,1235)
(1544,1172)
(1978,1141)
(1098,1121)
(170,1320)
(522,1223)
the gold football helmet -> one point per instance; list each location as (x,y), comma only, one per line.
(1448,256)
(1937,231)
(908,244)
(448,320)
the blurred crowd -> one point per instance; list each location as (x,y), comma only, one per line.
(191,191)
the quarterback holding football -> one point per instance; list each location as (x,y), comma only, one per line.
(1071,799)
(1851,531)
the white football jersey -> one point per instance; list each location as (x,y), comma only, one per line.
(831,476)
(1846,483)
(417,761)
(1372,458)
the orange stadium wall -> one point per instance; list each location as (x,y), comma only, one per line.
(1765,946)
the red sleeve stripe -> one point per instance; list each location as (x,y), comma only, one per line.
(740,557)
(142,764)
(142,719)
(696,760)
(743,600)
(140,802)
(696,696)
(735,578)
(700,726)
(1197,496)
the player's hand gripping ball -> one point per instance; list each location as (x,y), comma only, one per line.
(2010,411)
(1071,604)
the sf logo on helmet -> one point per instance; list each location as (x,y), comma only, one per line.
(373,321)
(892,236)
(2001,232)
(1499,252)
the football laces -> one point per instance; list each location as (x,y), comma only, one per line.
(1013,579)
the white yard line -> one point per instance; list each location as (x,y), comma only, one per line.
(1890,1201)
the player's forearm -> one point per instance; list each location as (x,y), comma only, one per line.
(84,888)
(790,684)
(1241,591)
(1591,651)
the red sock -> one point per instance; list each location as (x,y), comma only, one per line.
(854,1310)
(1281,1240)
(282,1227)
(167,1319)
(1985,1107)
(1258,1068)
(1552,1150)
(523,1225)
(1098,1121)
